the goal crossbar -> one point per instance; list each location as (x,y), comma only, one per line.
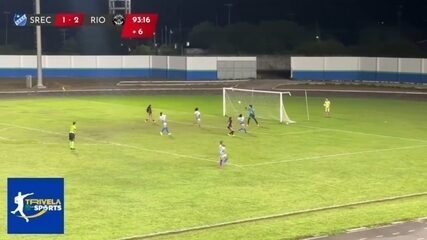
(257,91)
(283,117)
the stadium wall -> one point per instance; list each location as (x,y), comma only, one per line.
(162,67)
(408,70)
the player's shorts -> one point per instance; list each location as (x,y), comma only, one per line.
(71,136)
(224,157)
(327,109)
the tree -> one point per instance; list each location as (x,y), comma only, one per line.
(282,36)
(144,50)
(374,35)
(70,47)
(204,34)
(320,48)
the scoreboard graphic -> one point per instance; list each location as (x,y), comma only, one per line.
(138,25)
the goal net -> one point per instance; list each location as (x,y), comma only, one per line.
(268,105)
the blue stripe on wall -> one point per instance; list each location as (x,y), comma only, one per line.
(177,74)
(360,75)
(111,73)
(202,75)
(339,75)
(17,73)
(412,77)
(159,73)
(305,75)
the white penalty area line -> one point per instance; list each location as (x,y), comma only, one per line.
(334,155)
(5,139)
(119,144)
(2,130)
(5,129)
(253,132)
(363,133)
(274,216)
(168,153)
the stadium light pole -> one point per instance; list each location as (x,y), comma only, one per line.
(229,6)
(6,13)
(39,50)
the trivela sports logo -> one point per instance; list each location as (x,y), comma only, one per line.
(35,205)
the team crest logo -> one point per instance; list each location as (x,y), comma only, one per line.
(20,20)
(118,20)
(35,205)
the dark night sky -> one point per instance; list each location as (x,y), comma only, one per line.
(340,17)
(350,12)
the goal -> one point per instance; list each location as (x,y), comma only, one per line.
(268,105)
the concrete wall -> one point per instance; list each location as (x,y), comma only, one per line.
(177,68)
(359,68)
(164,67)
(237,68)
(273,63)
(202,68)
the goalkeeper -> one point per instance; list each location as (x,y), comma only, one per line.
(327,105)
(251,113)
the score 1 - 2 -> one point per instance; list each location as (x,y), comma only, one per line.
(69,19)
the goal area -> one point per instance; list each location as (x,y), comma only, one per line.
(268,105)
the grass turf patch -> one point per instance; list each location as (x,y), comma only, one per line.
(125,179)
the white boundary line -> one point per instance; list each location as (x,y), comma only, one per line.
(118,144)
(351,91)
(334,155)
(5,129)
(251,132)
(267,217)
(5,139)
(368,134)
(110,90)
(168,153)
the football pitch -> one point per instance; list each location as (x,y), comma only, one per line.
(126,180)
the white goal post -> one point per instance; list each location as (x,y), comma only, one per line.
(268,104)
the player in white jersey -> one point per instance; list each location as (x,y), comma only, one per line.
(223,157)
(164,124)
(242,123)
(197,116)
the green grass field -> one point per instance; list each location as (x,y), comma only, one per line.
(124,179)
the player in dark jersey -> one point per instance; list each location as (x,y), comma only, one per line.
(72,135)
(230,126)
(149,114)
